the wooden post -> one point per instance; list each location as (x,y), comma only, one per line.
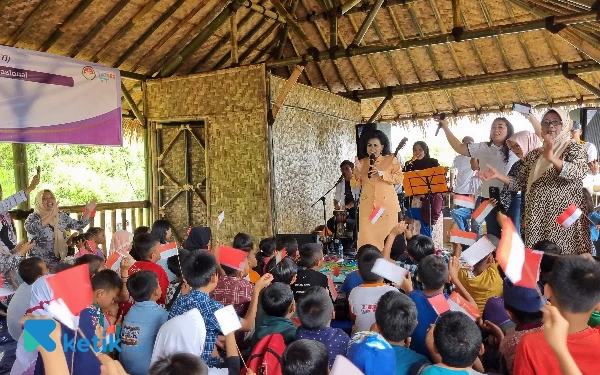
(286,31)
(349,5)
(286,90)
(138,115)
(21,181)
(234,39)
(379,109)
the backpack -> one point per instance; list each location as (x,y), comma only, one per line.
(266,356)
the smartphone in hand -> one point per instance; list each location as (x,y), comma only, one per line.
(495,194)
(38,170)
(521,108)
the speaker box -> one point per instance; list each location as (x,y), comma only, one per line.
(302,238)
(363,132)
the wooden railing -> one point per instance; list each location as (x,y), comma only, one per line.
(109,216)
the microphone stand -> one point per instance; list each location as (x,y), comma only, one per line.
(322,199)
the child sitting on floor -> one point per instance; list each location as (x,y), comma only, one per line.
(311,258)
(573,290)
(484,281)
(305,357)
(277,301)
(147,248)
(315,311)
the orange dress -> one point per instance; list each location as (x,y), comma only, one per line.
(377,191)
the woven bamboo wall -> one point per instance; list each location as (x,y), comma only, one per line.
(233,105)
(313,133)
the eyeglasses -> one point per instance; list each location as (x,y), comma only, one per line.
(553,123)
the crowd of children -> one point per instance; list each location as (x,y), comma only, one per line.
(165,313)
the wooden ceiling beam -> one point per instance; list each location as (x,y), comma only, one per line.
(294,26)
(286,31)
(335,63)
(550,22)
(175,62)
(259,8)
(579,67)
(148,33)
(350,7)
(583,83)
(264,36)
(367,23)
(233,26)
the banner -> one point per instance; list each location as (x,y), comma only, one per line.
(46,98)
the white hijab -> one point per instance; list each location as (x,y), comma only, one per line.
(183,334)
(40,295)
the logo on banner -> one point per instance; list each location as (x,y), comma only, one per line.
(89,73)
(105,76)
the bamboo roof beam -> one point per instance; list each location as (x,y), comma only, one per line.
(265,51)
(549,22)
(26,25)
(369,59)
(287,88)
(148,33)
(223,41)
(294,26)
(583,83)
(71,18)
(139,16)
(259,8)
(353,65)
(221,63)
(350,7)
(304,73)
(388,54)
(98,27)
(138,114)
(260,40)
(379,109)
(336,65)
(367,23)
(171,32)
(174,62)
(286,31)
(456,14)
(579,67)
(234,39)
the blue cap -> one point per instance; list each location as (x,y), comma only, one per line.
(369,352)
(522,299)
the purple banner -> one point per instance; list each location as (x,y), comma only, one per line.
(100,130)
(33,76)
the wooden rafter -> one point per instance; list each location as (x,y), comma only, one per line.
(26,25)
(134,108)
(267,50)
(148,33)
(304,72)
(336,65)
(258,41)
(360,34)
(293,24)
(233,25)
(390,59)
(68,22)
(168,35)
(369,58)
(350,7)
(98,27)
(286,31)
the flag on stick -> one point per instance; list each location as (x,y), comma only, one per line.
(376,214)
(466,201)
(569,216)
(463,237)
(168,250)
(482,211)
(511,252)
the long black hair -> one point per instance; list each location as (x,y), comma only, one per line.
(160,228)
(510,130)
(385,141)
(267,248)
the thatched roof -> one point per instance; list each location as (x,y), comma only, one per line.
(425,74)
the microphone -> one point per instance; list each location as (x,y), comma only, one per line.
(442,117)
(340,179)
(371,162)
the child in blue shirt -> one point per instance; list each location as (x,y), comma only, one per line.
(142,322)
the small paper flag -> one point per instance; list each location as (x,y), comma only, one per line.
(221,217)
(376,214)
(439,303)
(228,320)
(464,305)
(168,250)
(389,271)
(234,258)
(569,216)
(463,237)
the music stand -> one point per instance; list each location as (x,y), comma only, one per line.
(426,182)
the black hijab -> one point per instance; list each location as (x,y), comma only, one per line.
(426,162)
(198,239)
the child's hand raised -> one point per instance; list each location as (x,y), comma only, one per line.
(263,282)
(453,268)
(400,228)
(556,328)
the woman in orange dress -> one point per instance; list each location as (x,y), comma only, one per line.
(378,197)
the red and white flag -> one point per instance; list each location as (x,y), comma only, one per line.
(463,237)
(510,253)
(376,214)
(482,211)
(439,303)
(114,261)
(168,250)
(531,269)
(467,201)
(72,292)
(458,303)
(569,216)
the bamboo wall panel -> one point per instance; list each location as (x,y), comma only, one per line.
(232,102)
(313,133)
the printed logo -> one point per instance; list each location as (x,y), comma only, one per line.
(37,333)
(105,76)
(89,73)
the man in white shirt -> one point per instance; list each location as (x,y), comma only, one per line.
(343,198)
(590,148)
(463,181)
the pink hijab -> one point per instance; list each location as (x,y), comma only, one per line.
(528,141)
(121,242)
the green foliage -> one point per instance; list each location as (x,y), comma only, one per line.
(78,174)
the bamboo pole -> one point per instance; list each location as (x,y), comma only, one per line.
(234,39)
(348,5)
(289,84)
(379,109)
(333,31)
(19,151)
(252,47)
(258,8)
(148,33)
(138,115)
(442,38)
(367,23)
(169,34)
(587,66)
(65,25)
(221,63)
(265,51)
(293,25)
(173,64)
(286,31)
(585,84)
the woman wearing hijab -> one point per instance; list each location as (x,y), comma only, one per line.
(47,227)
(183,334)
(521,144)
(553,179)
(419,206)
(494,153)
(198,239)
(378,195)
(120,242)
